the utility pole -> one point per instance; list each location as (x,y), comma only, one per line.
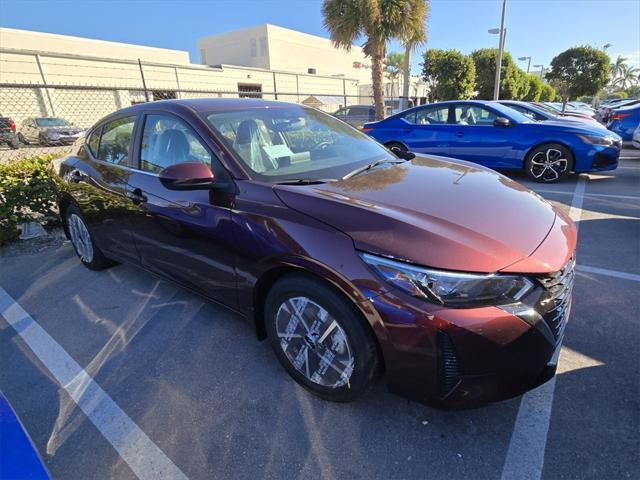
(496,86)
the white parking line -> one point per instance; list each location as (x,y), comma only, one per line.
(609,273)
(525,456)
(603,195)
(143,456)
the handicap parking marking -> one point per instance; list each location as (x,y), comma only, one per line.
(139,452)
(525,455)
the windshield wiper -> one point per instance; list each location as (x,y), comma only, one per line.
(305,181)
(373,164)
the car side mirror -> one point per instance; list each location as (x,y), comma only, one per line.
(501,122)
(187,176)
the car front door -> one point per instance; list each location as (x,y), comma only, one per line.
(476,139)
(98,184)
(427,130)
(185,235)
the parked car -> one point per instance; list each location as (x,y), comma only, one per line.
(608,111)
(624,121)
(345,256)
(635,140)
(569,112)
(542,113)
(48,131)
(356,115)
(496,136)
(8,132)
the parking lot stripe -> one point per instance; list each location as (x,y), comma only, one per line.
(140,453)
(603,195)
(525,456)
(610,273)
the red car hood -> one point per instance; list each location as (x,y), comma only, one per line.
(441,213)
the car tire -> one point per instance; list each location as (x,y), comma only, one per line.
(337,358)
(548,163)
(83,241)
(14,144)
(22,139)
(398,145)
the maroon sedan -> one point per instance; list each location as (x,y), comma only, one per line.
(352,260)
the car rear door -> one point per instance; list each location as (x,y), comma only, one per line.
(476,139)
(426,130)
(184,235)
(98,183)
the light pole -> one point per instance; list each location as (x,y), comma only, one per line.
(503,34)
(541,67)
(522,59)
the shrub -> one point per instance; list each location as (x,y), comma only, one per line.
(27,193)
(450,74)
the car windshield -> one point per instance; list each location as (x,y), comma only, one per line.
(511,113)
(52,122)
(294,143)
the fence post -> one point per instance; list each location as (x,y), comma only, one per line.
(275,88)
(144,84)
(297,89)
(175,69)
(46,87)
(344,91)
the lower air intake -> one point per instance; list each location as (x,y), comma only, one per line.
(449,368)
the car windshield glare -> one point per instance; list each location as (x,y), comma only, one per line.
(52,122)
(294,142)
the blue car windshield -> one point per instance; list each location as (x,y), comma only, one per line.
(511,113)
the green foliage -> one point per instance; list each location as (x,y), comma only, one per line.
(548,93)
(27,193)
(579,71)
(535,89)
(449,73)
(619,94)
(511,76)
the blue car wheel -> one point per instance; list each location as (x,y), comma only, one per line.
(549,163)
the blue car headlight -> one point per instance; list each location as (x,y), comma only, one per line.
(597,140)
(451,289)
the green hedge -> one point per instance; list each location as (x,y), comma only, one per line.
(27,193)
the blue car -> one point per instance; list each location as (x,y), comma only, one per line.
(624,121)
(499,137)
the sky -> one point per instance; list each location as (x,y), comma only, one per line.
(537,28)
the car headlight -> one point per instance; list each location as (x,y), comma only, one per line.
(451,289)
(597,140)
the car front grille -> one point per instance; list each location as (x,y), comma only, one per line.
(555,304)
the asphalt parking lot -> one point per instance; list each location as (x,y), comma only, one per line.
(155,383)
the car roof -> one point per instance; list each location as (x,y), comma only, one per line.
(207,105)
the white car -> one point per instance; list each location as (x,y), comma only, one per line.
(635,140)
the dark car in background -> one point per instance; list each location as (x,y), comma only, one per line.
(453,278)
(499,137)
(624,120)
(541,112)
(8,132)
(356,115)
(48,131)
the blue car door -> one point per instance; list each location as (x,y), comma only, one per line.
(476,138)
(427,130)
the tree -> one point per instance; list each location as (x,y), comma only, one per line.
(579,71)
(378,21)
(394,63)
(535,88)
(450,74)
(628,76)
(485,60)
(617,66)
(548,93)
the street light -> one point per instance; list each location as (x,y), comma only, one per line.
(541,67)
(522,59)
(503,33)
(606,45)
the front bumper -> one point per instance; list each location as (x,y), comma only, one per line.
(597,158)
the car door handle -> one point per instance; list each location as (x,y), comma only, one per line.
(136,196)
(459,134)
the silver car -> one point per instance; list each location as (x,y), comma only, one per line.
(48,131)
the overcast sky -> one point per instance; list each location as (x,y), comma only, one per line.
(537,28)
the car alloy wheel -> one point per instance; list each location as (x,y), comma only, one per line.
(548,165)
(314,342)
(80,238)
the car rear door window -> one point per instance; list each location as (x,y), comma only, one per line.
(436,115)
(167,140)
(94,141)
(115,141)
(473,115)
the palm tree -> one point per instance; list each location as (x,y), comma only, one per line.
(618,66)
(378,21)
(394,63)
(627,77)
